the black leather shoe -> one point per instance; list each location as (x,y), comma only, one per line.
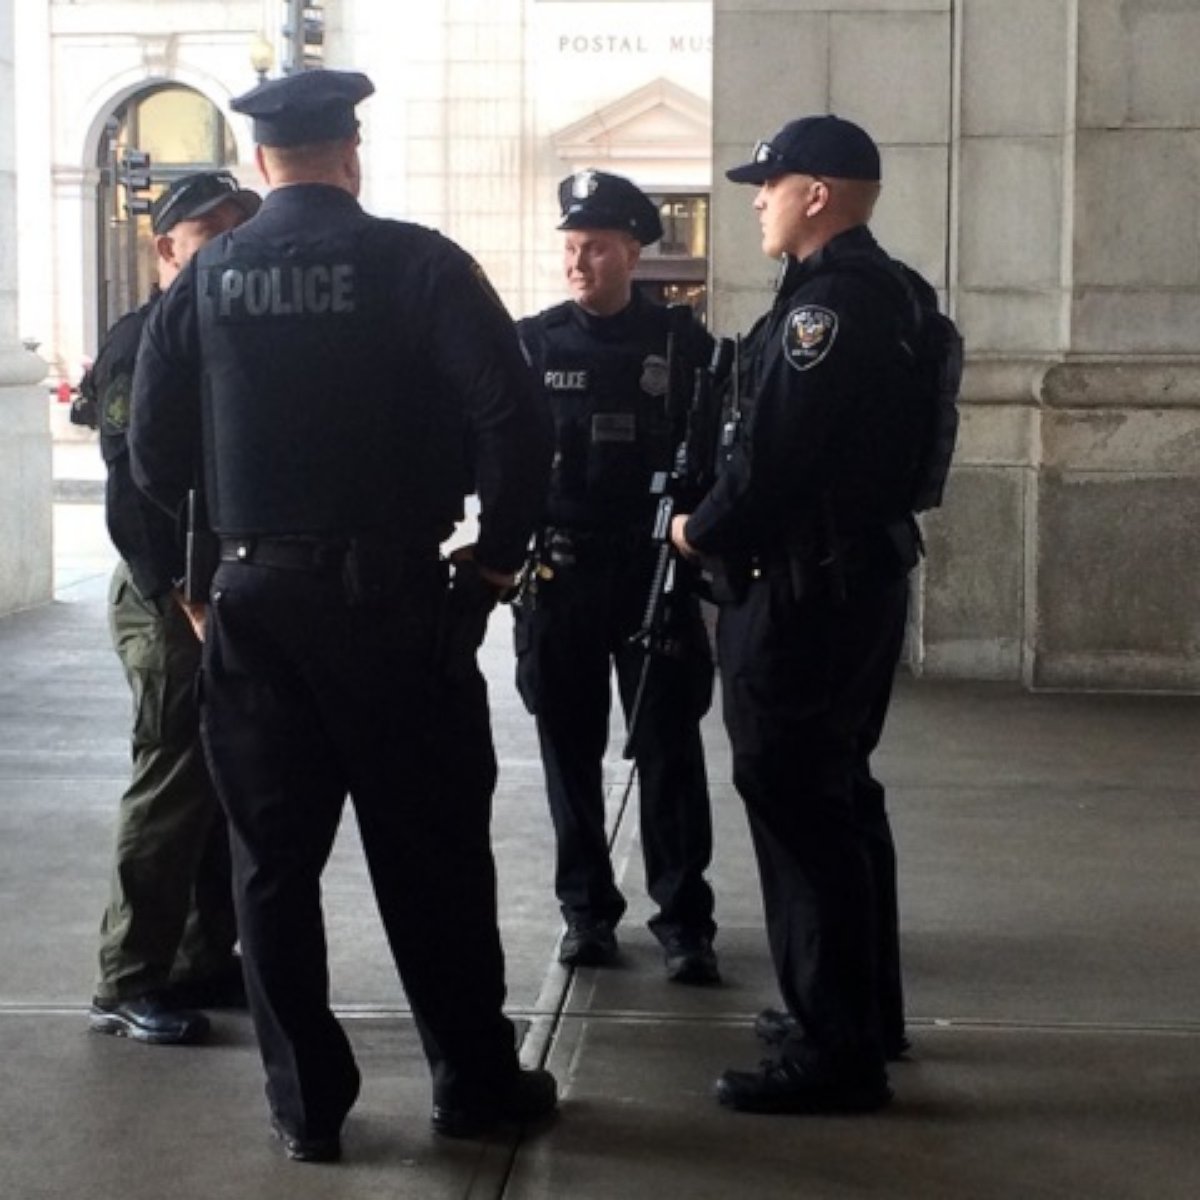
(691,959)
(773,1025)
(783,1087)
(587,944)
(532,1096)
(148,1019)
(226,989)
(307,1149)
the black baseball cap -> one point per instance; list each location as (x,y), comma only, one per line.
(598,200)
(310,106)
(820,145)
(192,196)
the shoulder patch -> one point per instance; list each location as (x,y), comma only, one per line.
(808,335)
(114,404)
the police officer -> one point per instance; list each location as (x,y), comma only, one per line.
(602,364)
(810,521)
(168,932)
(338,367)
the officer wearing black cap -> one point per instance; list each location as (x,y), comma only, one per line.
(349,377)
(168,932)
(811,523)
(601,363)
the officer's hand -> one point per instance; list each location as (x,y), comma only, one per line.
(196,613)
(474,592)
(502,581)
(679,537)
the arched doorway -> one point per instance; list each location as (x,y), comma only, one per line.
(181,131)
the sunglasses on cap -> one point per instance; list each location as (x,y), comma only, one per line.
(193,198)
(765,152)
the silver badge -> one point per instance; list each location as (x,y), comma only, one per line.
(584,185)
(654,375)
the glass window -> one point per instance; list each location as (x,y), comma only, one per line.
(674,269)
(179,127)
(685,227)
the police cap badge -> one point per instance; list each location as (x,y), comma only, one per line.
(598,200)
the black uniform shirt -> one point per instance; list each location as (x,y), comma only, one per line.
(352,375)
(605,382)
(145,537)
(829,415)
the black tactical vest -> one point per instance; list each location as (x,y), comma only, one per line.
(606,381)
(312,345)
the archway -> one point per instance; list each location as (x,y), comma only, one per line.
(180,130)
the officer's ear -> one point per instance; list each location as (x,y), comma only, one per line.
(164,247)
(819,194)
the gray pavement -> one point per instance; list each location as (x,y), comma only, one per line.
(1050,852)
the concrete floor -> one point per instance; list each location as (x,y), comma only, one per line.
(1050,852)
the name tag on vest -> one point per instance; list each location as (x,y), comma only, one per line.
(614,427)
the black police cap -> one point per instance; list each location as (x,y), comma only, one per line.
(822,145)
(195,195)
(597,200)
(310,106)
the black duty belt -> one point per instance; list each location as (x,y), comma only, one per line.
(286,553)
(565,545)
(323,554)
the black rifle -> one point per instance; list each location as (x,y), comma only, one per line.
(689,477)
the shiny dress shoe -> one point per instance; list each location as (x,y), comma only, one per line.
(148,1018)
(587,943)
(691,959)
(307,1149)
(773,1025)
(531,1096)
(784,1087)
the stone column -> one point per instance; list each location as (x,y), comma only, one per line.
(1118,529)
(26,564)
(1042,166)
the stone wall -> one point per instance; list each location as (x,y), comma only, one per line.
(1042,167)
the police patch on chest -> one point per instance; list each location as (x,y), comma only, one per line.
(808,335)
(614,427)
(565,381)
(654,375)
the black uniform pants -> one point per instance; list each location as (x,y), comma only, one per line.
(567,648)
(806,688)
(306,700)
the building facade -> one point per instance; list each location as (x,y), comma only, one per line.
(480,110)
(1042,167)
